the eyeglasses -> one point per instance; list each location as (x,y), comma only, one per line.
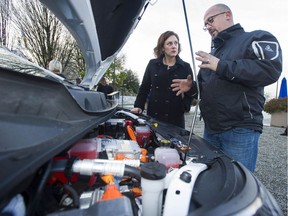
(210,20)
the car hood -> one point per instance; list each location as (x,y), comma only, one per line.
(41,113)
(100,28)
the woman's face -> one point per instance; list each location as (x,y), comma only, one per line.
(171,46)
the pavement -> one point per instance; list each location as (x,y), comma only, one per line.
(271,167)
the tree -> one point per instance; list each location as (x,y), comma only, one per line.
(115,68)
(132,82)
(122,79)
(4,20)
(45,38)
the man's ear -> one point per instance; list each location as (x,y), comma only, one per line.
(228,15)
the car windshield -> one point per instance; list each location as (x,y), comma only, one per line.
(11,61)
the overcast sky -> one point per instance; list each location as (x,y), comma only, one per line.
(169,15)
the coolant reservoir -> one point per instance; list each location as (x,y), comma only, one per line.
(167,156)
(86,149)
(142,135)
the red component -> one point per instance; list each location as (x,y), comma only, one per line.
(83,149)
(128,122)
(142,135)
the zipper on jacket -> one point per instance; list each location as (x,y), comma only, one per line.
(249,110)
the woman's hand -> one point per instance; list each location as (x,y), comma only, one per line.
(136,110)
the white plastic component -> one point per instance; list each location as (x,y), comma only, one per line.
(152,193)
(179,191)
(167,156)
(133,116)
(128,148)
(89,167)
(169,177)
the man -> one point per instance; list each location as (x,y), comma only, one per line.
(56,67)
(104,87)
(232,79)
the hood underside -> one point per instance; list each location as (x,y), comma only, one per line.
(100,28)
(41,114)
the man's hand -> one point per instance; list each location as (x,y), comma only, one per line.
(182,85)
(208,61)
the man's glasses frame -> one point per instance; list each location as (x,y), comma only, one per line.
(210,20)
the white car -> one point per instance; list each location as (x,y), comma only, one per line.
(67,150)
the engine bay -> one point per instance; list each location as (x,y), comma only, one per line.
(130,165)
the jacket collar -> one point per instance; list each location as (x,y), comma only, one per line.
(178,60)
(226,34)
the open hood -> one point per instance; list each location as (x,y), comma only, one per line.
(94,24)
(41,113)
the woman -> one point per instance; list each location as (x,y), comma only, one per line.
(163,103)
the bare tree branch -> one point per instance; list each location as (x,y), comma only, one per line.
(44,37)
(4,19)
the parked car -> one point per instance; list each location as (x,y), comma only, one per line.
(67,150)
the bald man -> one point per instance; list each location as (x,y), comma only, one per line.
(232,78)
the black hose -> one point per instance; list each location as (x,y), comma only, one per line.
(38,194)
(74,194)
(132,172)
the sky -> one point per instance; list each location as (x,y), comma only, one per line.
(166,15)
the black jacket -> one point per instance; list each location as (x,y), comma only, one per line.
(163,104)
(106,89)
(233,96)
